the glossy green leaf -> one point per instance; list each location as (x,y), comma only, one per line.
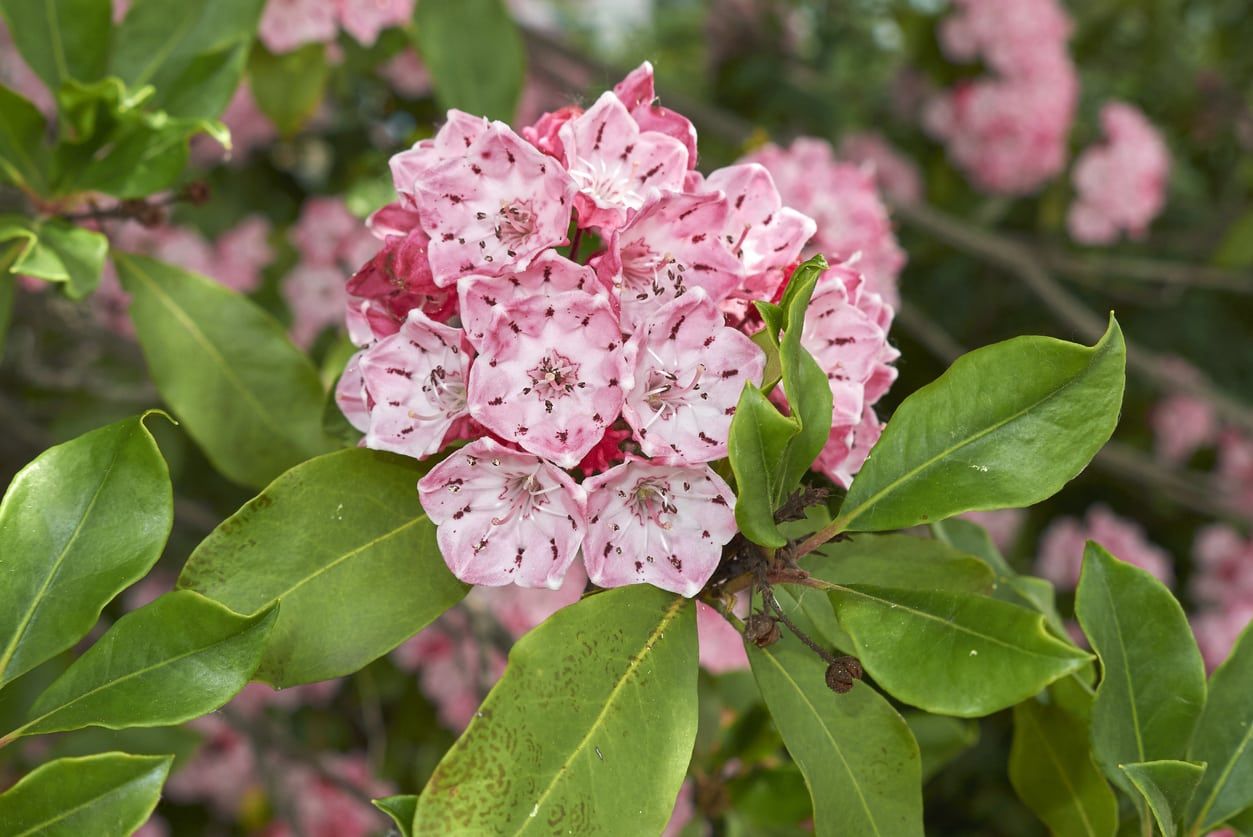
(858,756)
(1152,685)
(1167,788)
(804,381)
(1224,739)
(288,88)
(250,399)
(79,524)
(1006,426)
(952,653)
(108,795)
(475,55)
(178,658)
(194,58)
(65,253)
(401,810)
(61,39)
(1052,771)
(1026,590)
(771,797)
(900,561)
(589,730)
(23,161)
(940,739)
(756,445)
(342,542)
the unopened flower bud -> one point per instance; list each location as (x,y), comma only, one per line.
(762,630)
(841,674)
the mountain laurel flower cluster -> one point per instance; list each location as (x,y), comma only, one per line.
(596,393)
(1120,183)
(1008,130)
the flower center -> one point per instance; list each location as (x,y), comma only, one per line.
(608,183)
(666,394)
(515,223)
(445,393)
(650,501)
(641,269)
(555,376)
(522,497)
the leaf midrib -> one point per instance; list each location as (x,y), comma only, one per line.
(69,812)
(55,570)
(892,485)
(669,616)
(1223,777)
(861,797)
(200,337)
(1061,771)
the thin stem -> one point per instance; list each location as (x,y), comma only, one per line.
(1101,266)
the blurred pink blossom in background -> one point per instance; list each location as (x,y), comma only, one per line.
(1061,547)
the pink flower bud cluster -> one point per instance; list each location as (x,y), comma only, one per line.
(852,221)
(595,393)
(236,260)
(1007,130)
(330,241)
(1061,547)
(1222,585)
(288,24)
(1182,425)
(1120,183)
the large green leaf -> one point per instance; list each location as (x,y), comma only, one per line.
(1152,685)
(1224,739)
(108,795)
(475,55)
(248,397)
(900,561)
(756,445)
(193,58)
(342,542)
(1006,426)
(61,39)
(857,754)
(951,653)
(79,524)
(589,731)
(175,659)
(804,381)
(1167,788)
(1051,769)
(23,160)
(288,88)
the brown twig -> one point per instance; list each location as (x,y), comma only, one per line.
(1178,274)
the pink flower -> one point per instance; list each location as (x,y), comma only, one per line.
(551,374)
(519,609)
(316,296)
(1013,37)
(365,19)
(323,808)
(504,516)
(550,274)
(851,218)
(846,331)
(672,244)
(241,253)
(764,235)
(407,75)
(689,372)
(455,669)
(1121,183)
(288,24)
(327,233)
(1182,424)
(1217,630)
(896,175)
(637,93)
(220,773)
(398,279)
(493,207)
(607,453)
(657,524)
(721,645)
(1061,548)
(451,142)
(1235,467)
(847,448)
(545,134)
(615,166)
(416,382)
(1223,566)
